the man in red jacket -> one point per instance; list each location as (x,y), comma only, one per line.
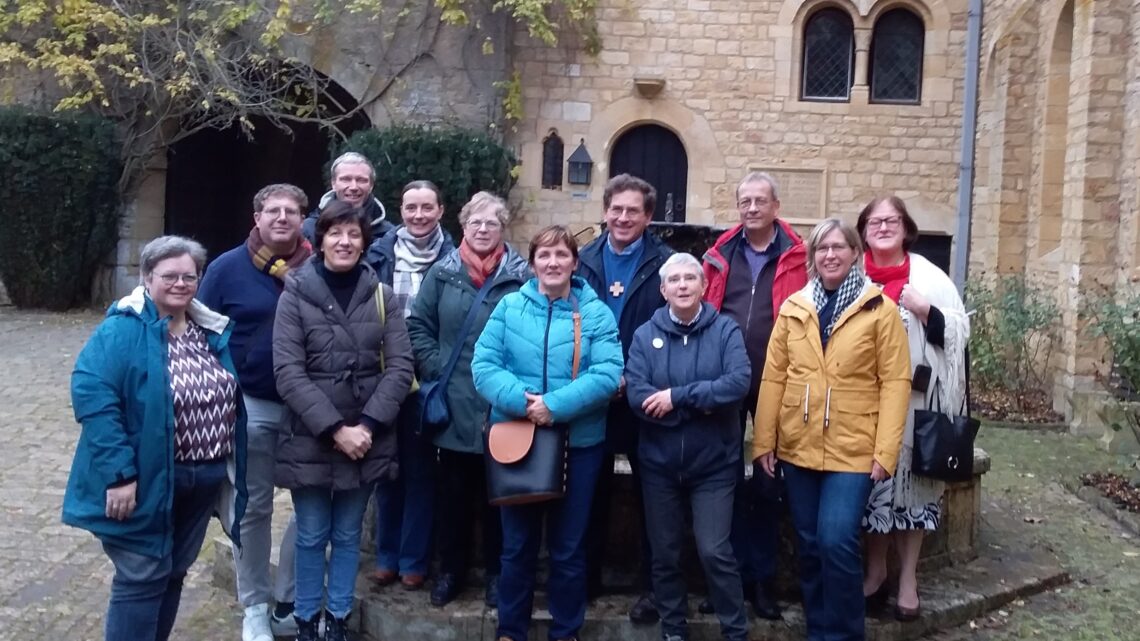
(751,271)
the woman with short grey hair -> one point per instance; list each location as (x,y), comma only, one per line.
(163,436)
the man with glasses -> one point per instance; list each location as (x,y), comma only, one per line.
(244,284)
(622,266)
(751,269)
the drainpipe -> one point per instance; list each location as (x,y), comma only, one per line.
(969,132)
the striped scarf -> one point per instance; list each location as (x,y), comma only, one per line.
(267,262)
(414,256)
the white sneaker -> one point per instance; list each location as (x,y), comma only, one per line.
(255,625)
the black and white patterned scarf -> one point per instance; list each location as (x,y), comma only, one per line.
(413,258)
(847,293)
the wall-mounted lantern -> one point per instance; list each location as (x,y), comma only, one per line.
(580,165)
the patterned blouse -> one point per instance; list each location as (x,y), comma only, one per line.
(205,398)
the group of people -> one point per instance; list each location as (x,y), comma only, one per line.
(295,361)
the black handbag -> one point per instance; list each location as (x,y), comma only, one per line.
(527,463)
(944,445)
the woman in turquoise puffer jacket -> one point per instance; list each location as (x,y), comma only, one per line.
(523,367)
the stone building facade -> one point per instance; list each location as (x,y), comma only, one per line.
(1056,195)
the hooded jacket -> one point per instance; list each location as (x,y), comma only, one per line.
(445,297)
(528,346)
(327,364)
(708,372)
(839,410)
(791,267)
(373,208)
(120,392)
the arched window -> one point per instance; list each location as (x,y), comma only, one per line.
(896,58)
(829,56)
(552,161)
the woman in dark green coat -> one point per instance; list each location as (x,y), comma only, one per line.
(445,298)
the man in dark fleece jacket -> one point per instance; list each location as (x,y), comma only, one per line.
(751,270)
(244,284)
(686,376)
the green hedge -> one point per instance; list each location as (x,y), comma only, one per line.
(460,161)
(59,205)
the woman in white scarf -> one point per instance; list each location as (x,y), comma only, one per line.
(904,507)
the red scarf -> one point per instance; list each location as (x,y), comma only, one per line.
(891,279)
(266,261)
(479,268)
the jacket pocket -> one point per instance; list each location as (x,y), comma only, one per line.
(793,415)
(854,419)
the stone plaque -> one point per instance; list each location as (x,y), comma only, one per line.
(803,192)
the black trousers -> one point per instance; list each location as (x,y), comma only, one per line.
(462,495)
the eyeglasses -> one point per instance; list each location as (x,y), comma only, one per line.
(278,212)
(170,279)
(837,248)
(748,203)
(616,211)
(489,225)
(890,222)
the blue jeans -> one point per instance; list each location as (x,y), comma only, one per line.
(827,512)
(566,522)
(146,590)
(325,516)
(404,506)
(709,496)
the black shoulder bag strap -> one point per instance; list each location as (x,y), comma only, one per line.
(465,329)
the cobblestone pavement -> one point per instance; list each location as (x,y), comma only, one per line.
(54,579)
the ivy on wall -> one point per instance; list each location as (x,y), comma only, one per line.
(460,161)
(58,205)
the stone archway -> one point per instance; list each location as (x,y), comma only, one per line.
(1054,135)
(212,175)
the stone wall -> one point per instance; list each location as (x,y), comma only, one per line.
(731,73)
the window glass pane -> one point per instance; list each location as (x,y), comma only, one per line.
(829,49)
(896,57)
(552,162)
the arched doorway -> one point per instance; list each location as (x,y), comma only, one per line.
(655,154)
(212,175)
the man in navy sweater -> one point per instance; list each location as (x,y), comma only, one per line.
(244,284)
(622,267)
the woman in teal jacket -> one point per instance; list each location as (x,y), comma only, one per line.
(163,439)
(523,368)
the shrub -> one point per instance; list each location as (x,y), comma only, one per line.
(1011,335)
(59,205)
(460,161)
(1118,322)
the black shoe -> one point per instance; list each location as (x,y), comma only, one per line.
(308,630)
(336,629)
(877,600)
(764,605)
(491,592)
(445,590)
(644,612)
(706,607)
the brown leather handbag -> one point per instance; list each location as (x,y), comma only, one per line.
(526,463)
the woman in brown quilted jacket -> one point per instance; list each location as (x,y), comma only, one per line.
(343,373)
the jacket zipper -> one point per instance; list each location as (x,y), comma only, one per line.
(546,343)
(751,301)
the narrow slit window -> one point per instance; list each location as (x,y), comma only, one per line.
(552,161)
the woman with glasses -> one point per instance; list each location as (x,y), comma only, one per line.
(156,393)
(404,505)
(905,506)
(445,300)
(832,407)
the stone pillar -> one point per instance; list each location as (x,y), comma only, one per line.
(1091,216)
(861,91)
(144,219)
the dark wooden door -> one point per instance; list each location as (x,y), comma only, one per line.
(655,154)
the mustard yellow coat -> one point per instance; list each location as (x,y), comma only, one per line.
(839,411)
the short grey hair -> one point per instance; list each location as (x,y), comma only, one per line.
(760,177)
(824,228)
(165,247)
(352,158)
(682,259)
(481,201)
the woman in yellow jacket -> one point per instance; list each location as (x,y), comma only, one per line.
(832,407)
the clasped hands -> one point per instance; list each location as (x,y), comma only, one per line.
(536,410)
(659,403)
(767,462)
(353,440)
